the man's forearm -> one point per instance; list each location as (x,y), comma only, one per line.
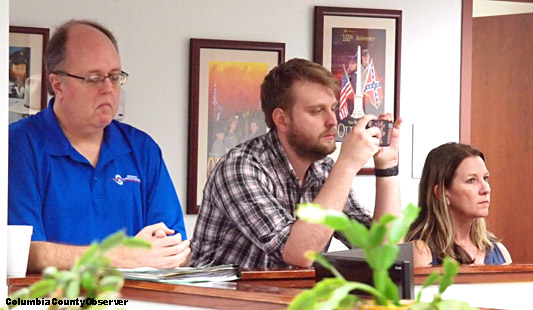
(387,196)
(305,237)
(312,237)
(336,189)
(63,256)
(44,254)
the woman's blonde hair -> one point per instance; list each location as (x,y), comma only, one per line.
(434,225)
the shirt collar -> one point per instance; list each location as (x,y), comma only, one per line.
(58,144)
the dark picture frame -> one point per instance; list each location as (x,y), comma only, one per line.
(345,38)
(26,49)
(224,88)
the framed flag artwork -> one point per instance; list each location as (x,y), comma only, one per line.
(361,48)
(224,102)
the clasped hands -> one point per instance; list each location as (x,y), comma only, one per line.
(167,251)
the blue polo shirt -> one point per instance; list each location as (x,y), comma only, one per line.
(56,190)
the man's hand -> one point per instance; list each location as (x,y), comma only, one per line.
(360,144)
(387,157)
(168,251)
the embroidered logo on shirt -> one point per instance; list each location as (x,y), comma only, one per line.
(129,178)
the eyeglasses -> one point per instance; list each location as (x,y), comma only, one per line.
(96,80)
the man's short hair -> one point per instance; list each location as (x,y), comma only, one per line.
(276,89)
(56,52)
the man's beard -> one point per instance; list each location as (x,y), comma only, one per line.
(305,147)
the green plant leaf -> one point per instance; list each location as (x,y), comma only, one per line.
(336,220)
(42,288)
(311,212)
(391,291)
(348,302)
(325,263)
(90,253)
(378,296)
(422,306)
(72,289)
(136,243)
(454,305)
(399,226)
(324,288)
(386,218)
(432,278)
(376,234)
(382,258)
(111,283)
(306,300)
(451,267)
(50,272)
(112,241)
(89,282)
(331,293)
(105,262)
(357,234)
(64,277)
(379,277)
(111,272)
(338,295)
(314,213)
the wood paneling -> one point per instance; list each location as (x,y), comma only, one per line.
(502,124)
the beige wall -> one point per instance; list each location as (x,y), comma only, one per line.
(154,42)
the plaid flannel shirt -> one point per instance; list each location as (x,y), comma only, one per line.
(249,202)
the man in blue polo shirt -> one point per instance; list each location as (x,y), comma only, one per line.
(76,175)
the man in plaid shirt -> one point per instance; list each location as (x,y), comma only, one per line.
(247,213)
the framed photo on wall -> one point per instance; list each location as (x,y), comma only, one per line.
(27,87)
(361,48)
(224,102)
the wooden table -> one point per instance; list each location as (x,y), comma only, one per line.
(483,274)
(257,289)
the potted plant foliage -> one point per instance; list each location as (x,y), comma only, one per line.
(91,276)
(379,244)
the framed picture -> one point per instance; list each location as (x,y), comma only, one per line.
(361,48)
(27,87)
(224,102)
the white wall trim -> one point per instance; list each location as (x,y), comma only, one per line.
(484,8)
(4,51)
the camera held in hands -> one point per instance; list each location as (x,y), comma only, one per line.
(386,130)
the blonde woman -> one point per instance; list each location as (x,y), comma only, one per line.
(454,194)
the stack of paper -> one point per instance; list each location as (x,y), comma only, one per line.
(184,274)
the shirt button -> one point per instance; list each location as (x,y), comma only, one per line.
(95,178)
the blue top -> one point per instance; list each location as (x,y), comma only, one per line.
(495,257)
(56,190)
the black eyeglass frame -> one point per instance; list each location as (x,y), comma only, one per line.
(122,74)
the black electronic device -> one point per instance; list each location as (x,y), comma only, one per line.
(352,265)
(385,127)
